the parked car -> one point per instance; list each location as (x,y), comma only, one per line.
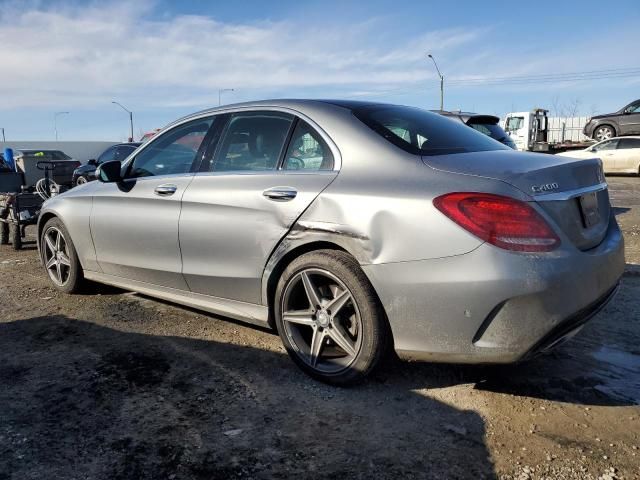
(86,173)
(625,121)
(618,155)
(27,160)
(349,227)
(487,124)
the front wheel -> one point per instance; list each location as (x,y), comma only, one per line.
(60,258)
(329,317)
(81,180)
(604,132)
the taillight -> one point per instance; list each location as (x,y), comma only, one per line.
(502,221)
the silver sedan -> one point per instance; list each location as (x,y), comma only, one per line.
(353,229)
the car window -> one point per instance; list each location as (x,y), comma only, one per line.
(625,143)
(606,145)
(514,123)
(173,152)
(123,151)
(307,150)
(108,155)
(252,141)
(57,155)
(635,108)
(424,133)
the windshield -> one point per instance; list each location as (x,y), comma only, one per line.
(514,123)
(424,133)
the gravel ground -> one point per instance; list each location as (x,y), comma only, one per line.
(114,385)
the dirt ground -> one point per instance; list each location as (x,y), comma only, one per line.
(114,385)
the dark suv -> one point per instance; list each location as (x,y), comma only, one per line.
(487,124)
(625,121)
(86,172)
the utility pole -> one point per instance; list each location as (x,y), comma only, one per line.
(441,81)
(3,139)
(130,118)
(220,92)
(55,122)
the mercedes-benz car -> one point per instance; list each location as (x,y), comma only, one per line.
(351,228)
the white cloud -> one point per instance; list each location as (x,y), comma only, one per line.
(84,54)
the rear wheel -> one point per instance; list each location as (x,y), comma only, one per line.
(60,258)
(329,317)
(604,132)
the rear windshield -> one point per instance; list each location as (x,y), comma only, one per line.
(424,133)
(492,129)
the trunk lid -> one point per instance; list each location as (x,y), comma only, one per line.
(572,192)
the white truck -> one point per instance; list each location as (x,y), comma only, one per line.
(535,131)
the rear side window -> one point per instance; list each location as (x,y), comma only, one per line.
(252,141)
(424,133)
(307,150)
(625,143)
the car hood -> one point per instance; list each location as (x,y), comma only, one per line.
(523,170)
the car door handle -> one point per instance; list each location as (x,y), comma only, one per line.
(165,190)
(280,193)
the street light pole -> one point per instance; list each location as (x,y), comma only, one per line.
(441,81)
(220,92)
(130,118)
(3,139)
(55,122)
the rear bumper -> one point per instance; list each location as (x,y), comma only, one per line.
(495,306)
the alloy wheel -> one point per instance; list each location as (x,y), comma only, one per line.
(321,320)
(603,133)
(56,256)
(81,180)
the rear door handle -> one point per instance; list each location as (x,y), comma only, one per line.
(165,190)
(280,193)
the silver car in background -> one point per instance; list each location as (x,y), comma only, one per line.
(351,228)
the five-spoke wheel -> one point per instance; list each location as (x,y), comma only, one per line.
(59,257)
(329,317)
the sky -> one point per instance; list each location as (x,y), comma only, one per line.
(164,59)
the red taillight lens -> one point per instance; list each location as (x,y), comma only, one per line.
(502,221)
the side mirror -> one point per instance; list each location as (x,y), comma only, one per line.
(92,161)
(109,172)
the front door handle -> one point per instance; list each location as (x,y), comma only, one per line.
(165,190)
(280,193)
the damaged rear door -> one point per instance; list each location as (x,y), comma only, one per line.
(267,168)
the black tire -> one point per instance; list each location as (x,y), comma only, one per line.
(604,132)
(81,180)
(374,335)
(4,233)
(72,278)
(16,237)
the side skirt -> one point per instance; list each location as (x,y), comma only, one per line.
(245,312)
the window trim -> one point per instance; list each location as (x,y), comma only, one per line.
(337,156)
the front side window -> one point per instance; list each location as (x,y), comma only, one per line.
(307,150)
(252,141)
(625,143)
(173,152)
(635,108)
(424,133)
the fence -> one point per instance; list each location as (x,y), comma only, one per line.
(565,129)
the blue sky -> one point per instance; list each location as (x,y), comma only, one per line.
(165,59)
